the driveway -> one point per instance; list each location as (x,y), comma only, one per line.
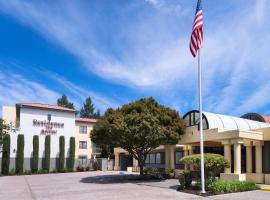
(99,186)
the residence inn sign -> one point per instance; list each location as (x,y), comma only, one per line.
(48,127)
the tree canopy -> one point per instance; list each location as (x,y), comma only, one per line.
(63,101)
(88,109)
(138,127)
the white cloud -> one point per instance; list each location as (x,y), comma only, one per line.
(16,89)
(78,94)
(152,53)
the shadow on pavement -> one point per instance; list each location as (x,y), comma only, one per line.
(117,178)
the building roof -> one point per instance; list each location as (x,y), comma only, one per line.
(89,120)
(232,123)
(46,106)
(227,122)
(257,117)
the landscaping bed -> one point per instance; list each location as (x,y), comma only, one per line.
(221,187)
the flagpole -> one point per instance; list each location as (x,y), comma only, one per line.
(200,124)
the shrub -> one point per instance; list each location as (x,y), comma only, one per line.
(20,154)
(153,172)
(6,154)
(185,179)
(35,154)
(80,169)
(47,158)
(61,164)
(71,159)
(27,172)
(222,186)
(214,164)
(12,172)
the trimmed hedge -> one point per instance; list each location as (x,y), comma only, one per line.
(61,165)
(20,154)
(214,163)
(185,179)
(46,166)
(71,159)
(34,166)
(6,154)
(222,186)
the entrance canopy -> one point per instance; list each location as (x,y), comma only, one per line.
(222,122)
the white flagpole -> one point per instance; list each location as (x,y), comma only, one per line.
(201,125)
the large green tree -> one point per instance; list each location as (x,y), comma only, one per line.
(63,101)
(88,109)
(3,131)
(138,127)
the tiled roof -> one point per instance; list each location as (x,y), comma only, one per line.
(46,106)
(91,120)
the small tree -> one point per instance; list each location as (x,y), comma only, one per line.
(71,159)
(63,101)
(214,164)
(35,153)
(6,154)
(47,158)
(61,164)
(138,127)
(88,109)
(20,154)
(3,131)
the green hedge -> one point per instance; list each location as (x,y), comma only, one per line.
(34,166)
(214,164)
(20,154)
(6,154)
(222,186)
(61,165)
(71,159)
(46,166)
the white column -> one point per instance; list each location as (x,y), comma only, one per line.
(172,158)
(116,161)
(190,151)
(167,156)
(248,157)
(135,165)
(258,150)
(186,154)
(237,158)
(227,154)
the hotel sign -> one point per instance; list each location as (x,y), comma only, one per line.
(48,127)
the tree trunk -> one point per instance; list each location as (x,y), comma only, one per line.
(141,169)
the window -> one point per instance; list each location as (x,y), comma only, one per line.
(192,119)
(82,144)
(158,158)
(49,117)
(82,160)
(83,129)
(155,158)
(178,156)
(152,158)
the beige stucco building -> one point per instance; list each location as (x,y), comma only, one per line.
(85,148)
(244,141)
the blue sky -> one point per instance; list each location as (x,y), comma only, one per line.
(119,51)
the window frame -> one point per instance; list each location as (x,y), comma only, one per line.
(83,129)
(81,145)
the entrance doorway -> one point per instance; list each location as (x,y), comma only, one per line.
(125,161)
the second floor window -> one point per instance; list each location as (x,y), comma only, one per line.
(82,144)
(83,129)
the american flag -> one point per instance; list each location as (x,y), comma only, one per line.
(196,39)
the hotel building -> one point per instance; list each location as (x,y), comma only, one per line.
(43,119)
(244,141)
